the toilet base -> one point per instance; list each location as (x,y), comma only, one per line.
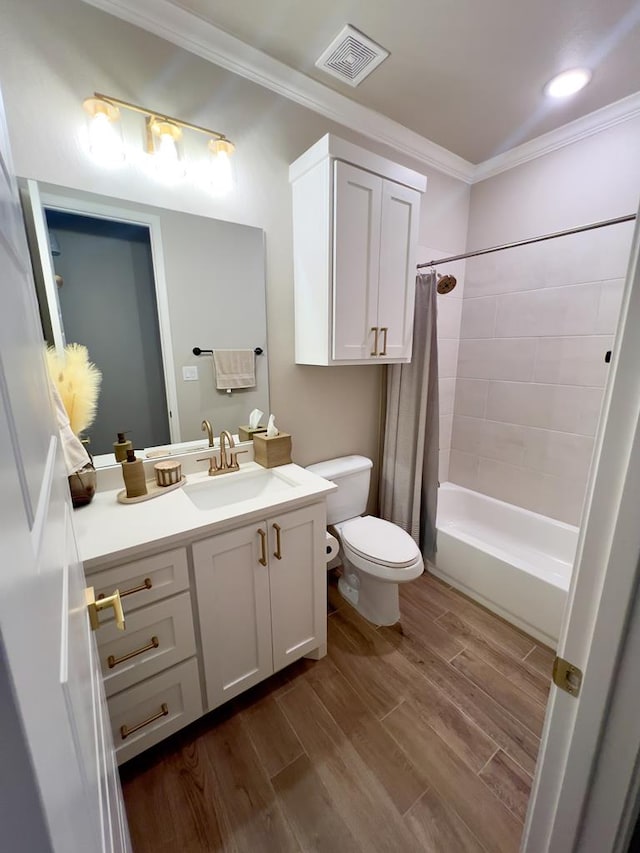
(377,601)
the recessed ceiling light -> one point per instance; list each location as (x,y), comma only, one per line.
(567,83)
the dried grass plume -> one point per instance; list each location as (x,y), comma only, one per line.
(78,382)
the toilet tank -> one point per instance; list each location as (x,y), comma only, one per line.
(352,475)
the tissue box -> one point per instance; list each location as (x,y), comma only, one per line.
(271,452)
(246,433)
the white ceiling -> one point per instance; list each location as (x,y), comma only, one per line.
(466,74)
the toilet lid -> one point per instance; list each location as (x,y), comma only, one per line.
(380,541)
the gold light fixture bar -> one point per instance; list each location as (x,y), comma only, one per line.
(162,117)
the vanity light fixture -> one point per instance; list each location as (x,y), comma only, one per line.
(163,139)
(567,83)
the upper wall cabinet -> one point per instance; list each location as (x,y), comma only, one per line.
(355,231)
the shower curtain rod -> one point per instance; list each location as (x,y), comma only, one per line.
(552,236)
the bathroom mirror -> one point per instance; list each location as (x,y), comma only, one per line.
(141,287)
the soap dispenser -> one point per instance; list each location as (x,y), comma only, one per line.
(121,446)
(134,478)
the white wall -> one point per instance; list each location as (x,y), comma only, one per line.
(53,55)
(536,322)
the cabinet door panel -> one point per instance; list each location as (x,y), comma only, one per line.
(234,611)
(298,583)
(396,291)
(357,207)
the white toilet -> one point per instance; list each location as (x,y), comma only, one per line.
(376,555)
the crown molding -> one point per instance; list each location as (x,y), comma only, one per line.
(202,38)
(595,122)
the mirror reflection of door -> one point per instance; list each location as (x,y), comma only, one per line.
(107,300)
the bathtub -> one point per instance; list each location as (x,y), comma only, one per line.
(513,561)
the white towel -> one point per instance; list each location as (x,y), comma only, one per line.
(235,368)
(75,455)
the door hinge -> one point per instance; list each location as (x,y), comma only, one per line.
(566,676)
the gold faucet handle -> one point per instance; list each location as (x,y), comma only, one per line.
(234,458)
(213,462)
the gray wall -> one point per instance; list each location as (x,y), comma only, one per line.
(108,304)
(536,322)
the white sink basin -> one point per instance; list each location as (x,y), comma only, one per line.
(216,492)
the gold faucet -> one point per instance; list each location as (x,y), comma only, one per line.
(224,466)
(207,426)
(224,462)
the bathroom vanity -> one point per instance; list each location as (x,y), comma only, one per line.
(222,582)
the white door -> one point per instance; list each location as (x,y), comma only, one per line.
(232,582)
(298,578)
(397,283)
(62,791)
(357,206)
(587,777)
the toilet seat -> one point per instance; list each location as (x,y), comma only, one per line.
(380,542)
(380,549)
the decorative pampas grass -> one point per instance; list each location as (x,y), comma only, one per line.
(78,382)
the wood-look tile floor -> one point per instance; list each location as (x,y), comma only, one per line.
(419,737)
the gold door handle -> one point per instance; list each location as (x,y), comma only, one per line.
(384,331)
(146,584)
(262,559)
(114,661)
(95,607)
(374,329)
(125,731)
(278,552)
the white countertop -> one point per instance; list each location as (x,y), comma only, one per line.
(109,532)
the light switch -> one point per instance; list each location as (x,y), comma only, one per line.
(190,373)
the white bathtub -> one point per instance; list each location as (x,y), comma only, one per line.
(515,562)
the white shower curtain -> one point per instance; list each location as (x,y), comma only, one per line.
(409,477)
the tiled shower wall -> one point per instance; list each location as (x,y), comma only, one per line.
(536,324)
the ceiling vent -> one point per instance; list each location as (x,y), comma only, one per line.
(351,56)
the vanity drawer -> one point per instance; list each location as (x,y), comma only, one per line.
(157,636)
(151,711)
(144,581)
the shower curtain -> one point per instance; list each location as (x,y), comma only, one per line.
(409,477)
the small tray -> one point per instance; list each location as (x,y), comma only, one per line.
(153,491)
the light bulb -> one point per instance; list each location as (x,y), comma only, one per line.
(567,83)
(164,150)
(104,133)
(221,172)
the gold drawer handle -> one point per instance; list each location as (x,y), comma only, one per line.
(278,552)
(146,584)
(375,341)
(262,559)
(95,607)
(125,731)
(384,331)
(114,661)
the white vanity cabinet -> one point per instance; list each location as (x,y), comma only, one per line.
(228,595)
(261,592)
(355,233)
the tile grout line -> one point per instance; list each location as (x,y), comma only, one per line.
(395,708)
(489,760)
(417,799)
(500,800)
